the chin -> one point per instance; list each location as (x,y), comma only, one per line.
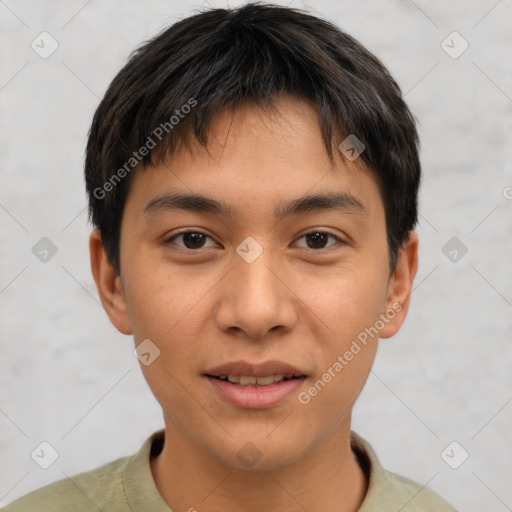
(262,452)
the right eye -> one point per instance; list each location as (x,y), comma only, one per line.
(192,240)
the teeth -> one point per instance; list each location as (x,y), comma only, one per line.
(265,381)
(248,380)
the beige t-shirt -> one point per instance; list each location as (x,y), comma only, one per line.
(127,484)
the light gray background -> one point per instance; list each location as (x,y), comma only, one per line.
(69,378)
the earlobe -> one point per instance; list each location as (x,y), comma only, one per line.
(400,287)
(108,284)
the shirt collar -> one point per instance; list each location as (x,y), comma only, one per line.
(142,493)
(139,485)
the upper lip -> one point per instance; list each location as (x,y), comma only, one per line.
(271,367)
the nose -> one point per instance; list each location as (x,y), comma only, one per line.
(257,298)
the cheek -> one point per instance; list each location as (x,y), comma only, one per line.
(170,315)
(164,302)
(345,361)
(345,303)
(171,309)
(348,306)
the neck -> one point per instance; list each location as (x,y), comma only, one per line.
(328,477)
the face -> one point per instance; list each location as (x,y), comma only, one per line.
(210,287)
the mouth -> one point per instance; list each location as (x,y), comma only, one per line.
(251,380)
(243,373)
(255,386)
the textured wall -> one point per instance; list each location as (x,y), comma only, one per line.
(67,377)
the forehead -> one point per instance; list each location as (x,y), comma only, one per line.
(258,159)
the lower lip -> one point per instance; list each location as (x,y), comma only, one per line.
(256,397)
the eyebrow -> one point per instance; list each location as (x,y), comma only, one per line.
(197,203)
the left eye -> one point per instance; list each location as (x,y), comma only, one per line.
(319,238)
(195,239)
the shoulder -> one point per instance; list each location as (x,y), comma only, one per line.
(389,492)
(85,492)
(420,497)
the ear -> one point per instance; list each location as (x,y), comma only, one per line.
(108,284)
(400,287)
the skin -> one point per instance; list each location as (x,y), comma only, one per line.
(295,303)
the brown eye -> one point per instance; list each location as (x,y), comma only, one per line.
(319,239)
(191,240)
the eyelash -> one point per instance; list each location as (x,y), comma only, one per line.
(186,249)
